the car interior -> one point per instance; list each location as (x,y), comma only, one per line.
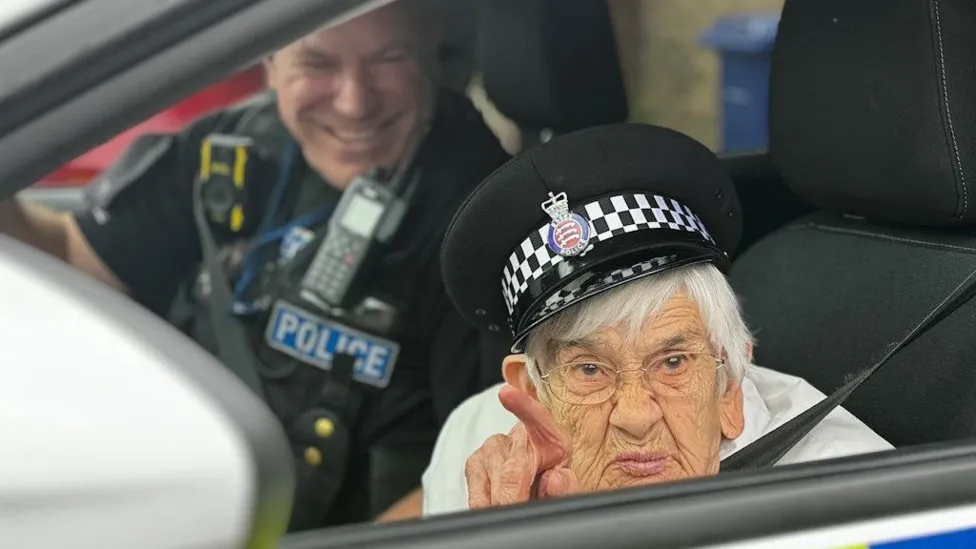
(867,126)
(531,56)
(856,226)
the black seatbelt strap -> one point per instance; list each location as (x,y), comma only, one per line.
(232,341)
(771,447)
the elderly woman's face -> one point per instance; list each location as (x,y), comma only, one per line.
(648,431)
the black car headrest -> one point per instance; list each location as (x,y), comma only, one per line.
(873,107)
(551,64)
(459,21)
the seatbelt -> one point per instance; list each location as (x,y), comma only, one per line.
(771,447)
(233,347)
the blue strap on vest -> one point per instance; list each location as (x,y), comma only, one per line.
(268,234)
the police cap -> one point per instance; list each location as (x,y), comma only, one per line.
(583,213)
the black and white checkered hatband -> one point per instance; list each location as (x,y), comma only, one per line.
(618,224)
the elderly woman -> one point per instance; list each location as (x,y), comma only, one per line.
(631,363)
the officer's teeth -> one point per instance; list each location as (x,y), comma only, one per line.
(356,136)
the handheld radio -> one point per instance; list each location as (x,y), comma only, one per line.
(366,217)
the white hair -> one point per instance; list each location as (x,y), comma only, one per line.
(633,304)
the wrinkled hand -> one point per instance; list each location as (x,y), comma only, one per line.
(530,462)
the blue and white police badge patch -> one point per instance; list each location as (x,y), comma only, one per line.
(293,242)
(569,232)
(313,340)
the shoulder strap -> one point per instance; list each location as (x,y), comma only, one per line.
(232,342)
(771,447)
(145,152)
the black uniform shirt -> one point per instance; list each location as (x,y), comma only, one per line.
(141,225)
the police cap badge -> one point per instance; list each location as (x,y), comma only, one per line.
(569,232)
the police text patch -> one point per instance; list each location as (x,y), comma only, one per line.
(313,340)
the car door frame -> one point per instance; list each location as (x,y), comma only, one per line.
(80,81)
(52,111)
(744,506)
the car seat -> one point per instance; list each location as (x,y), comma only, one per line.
(458,19)
(551,66)
(873,120)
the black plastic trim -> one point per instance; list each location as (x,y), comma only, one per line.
(722,509)
(138,37)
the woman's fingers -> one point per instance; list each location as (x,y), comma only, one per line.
(478,468)
(516,474)
(557,482)
(551,444)
(479,486)
(506,468)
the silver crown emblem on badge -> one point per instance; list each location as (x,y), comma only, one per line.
(557,206)
(569,233)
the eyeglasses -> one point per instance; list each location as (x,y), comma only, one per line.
(675,375)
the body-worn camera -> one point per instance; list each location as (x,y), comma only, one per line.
(228,166)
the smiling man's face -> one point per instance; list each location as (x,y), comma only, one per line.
(353,95)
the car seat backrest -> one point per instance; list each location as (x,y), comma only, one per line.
(458,21)
(873,119)
(551,66)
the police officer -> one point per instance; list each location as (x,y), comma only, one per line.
(219,226)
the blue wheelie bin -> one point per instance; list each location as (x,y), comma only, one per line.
(744,43)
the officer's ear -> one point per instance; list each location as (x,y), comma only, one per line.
(516,373)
